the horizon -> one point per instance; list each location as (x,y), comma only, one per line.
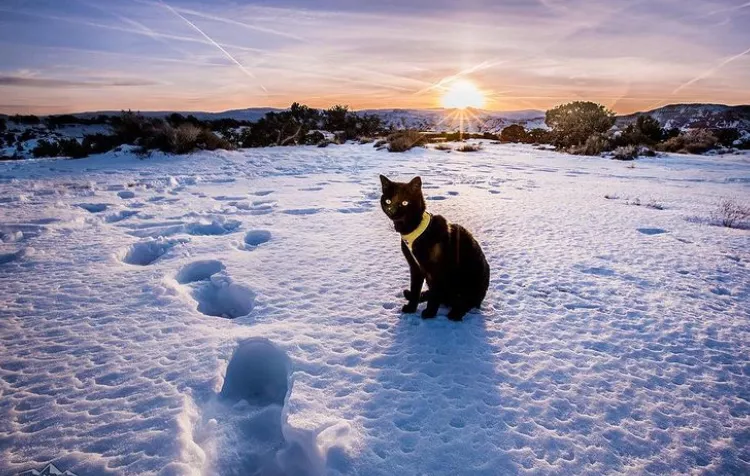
(183,55)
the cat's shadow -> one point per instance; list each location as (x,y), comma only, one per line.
(437,403)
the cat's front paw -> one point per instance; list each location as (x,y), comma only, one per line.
(409,308)
(429,313)
(456,315)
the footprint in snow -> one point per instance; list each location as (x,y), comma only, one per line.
(651,231)
(147,252)
(93,207)
(126,194)
(214,291)
(255,238)
(302,211)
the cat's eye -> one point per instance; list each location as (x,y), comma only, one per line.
(404,203)
(388,201)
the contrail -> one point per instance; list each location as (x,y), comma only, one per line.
(711,71)
(230,21)
(226,53)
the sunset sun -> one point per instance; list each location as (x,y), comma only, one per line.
(462,94)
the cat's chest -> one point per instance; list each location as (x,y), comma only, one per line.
(429,257)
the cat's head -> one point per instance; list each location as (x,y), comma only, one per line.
(402,202)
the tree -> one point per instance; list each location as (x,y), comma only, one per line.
(572,124)
(513,133)
(2,124)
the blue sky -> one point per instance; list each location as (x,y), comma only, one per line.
(77,55)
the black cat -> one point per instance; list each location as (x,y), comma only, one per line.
(444,254)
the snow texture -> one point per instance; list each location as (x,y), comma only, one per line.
(239,313)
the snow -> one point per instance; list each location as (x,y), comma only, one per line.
(240,314)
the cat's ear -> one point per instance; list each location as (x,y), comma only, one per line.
(385,182)
(416,183)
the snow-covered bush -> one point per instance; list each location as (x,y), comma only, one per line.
(469,148)
(627,152)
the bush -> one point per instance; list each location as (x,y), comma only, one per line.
(404,140)
(732,214)
(444,147)
(726,136)
(695,141)
(30,119)
(469,148)
(572,124)
(45,148)
(594,145)
(380,143)
(539,136)
(645,130)
(207,140)
(185,138)
(2,125)
(627,152)
(514,133)
(100,143)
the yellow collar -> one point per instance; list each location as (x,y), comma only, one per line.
(410,238)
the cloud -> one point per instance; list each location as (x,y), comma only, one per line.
(34,82)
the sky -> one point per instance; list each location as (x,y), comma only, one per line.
(61,56)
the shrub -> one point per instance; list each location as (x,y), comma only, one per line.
(207,140)
(574,123)
(72,148)
(314,138)
(404,140)
(732,214)
(539,136)
(594,145)
(469,148)
(2,125)
(627,152)
(45,148)
(513,133)
(645,130)
(695,141)
(444,147)
(380,143)
(185,138)
(726,136)
(100,143)
(30,119)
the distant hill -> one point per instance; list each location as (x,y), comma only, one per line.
(474,120)
(691,116)
(681,116)
(251,114)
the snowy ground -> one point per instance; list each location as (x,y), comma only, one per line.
(615,337)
